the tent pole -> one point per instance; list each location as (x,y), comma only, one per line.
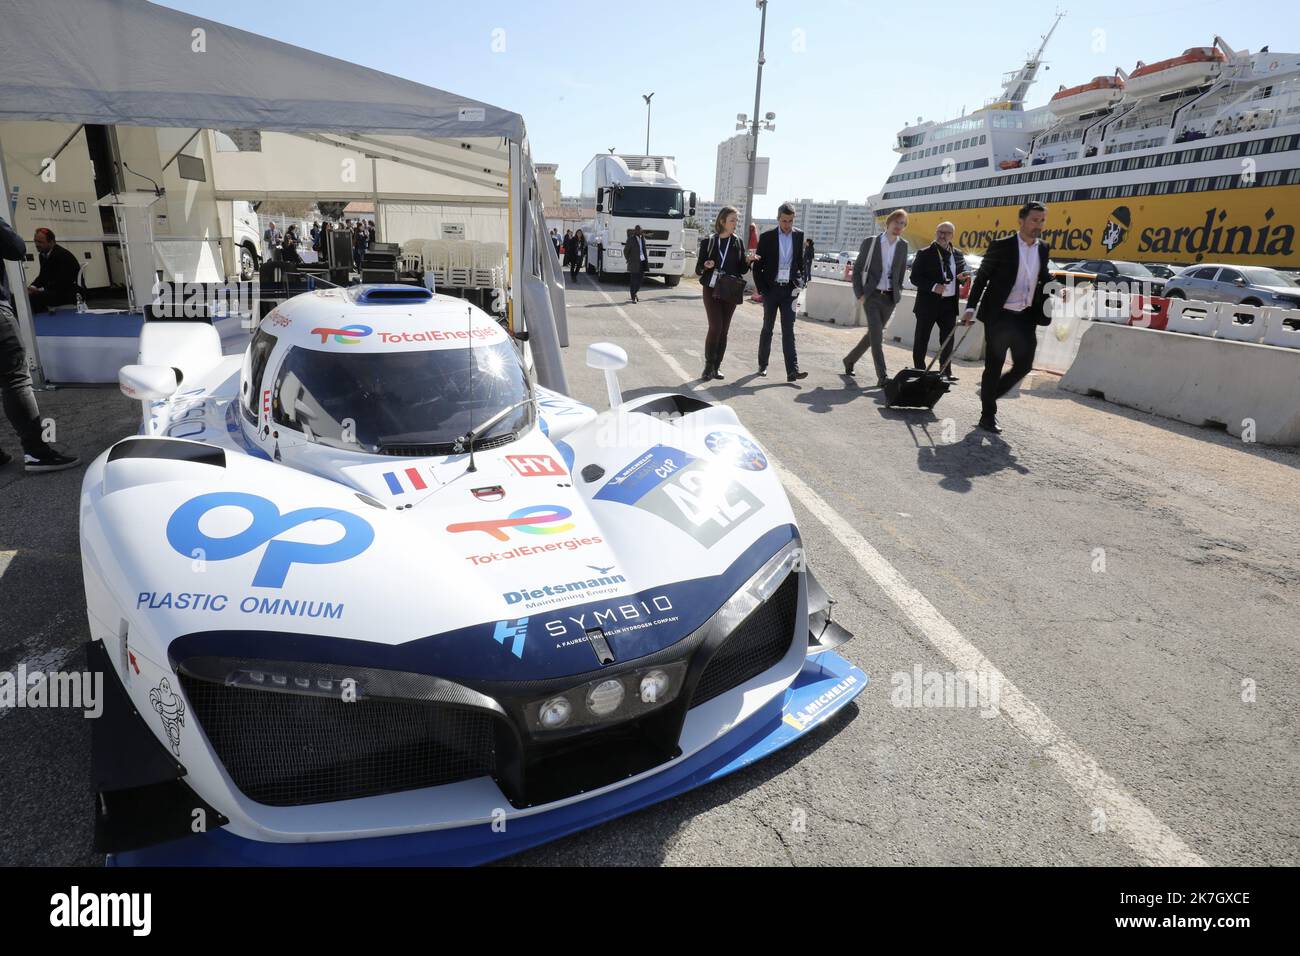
(18,284)
(374,194)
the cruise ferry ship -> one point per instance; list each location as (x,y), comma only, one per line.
(1191,158)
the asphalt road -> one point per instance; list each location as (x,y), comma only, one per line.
(1129,583)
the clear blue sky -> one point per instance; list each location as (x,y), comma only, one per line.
(843,76)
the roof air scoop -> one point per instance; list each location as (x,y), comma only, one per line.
(391,294)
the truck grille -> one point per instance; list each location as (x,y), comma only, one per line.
(288,749)
(757,645)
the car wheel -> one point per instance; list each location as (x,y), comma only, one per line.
(247,264)
(671,281)
(1175,294)
(1253,302)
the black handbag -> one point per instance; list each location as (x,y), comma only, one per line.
(726,288)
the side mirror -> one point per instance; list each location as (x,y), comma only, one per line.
(1239,281)
(147,383)
(600,199)
(608,358)
(692,207)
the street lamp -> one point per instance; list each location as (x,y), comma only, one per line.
(647,99)
(753,134)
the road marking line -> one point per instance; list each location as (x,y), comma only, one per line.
(1125,814)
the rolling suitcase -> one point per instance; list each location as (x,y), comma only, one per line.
(920,388)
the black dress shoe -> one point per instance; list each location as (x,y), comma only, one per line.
(795,376)
(707,374)
(990,425)
(881,382)
(717,374)
(762,371)
(848,369)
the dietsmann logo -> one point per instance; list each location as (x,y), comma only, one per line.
(75,909)
(537,519)
(348,335)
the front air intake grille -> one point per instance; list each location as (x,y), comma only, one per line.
(288,750)
(758,644)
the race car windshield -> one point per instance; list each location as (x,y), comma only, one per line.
(401,402)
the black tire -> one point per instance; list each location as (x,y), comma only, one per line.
(1251,302)
(1175,294)
(248,263)
(672,281)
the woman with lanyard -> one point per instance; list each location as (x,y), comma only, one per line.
(721,255)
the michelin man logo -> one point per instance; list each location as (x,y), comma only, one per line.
(172,711)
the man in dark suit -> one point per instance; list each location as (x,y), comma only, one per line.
(937,272)
(1007,296)
(779,275)
(878,275)
(637,259)
(16,396)
(56,283)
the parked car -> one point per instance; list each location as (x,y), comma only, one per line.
(1163,271)
(1130,276)
(1244,285)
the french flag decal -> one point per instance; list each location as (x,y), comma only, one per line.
(398,481)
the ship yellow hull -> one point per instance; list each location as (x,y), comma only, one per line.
(1247,226)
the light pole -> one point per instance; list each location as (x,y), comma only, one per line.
(647,121)
(753,134)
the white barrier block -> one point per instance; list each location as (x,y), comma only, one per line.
(1111,306)
(1282,327)
(1192,378)
(1241,323)
(1193,317)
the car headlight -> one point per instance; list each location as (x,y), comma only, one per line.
(633,693)
(678,254)
(608,700)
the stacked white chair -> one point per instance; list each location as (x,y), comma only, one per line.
(488,264)
(436,260)
(460,272)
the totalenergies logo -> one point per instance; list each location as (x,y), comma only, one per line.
(536,519)
(348,335)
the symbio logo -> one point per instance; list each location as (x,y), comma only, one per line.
(75,909)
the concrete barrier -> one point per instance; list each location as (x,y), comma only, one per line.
(1192,317)
(1193,378)
(831,301)
(1282,327)
(1241,323)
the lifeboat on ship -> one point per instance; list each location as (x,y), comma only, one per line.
(1196,67)
(1101,92)
(1010,164)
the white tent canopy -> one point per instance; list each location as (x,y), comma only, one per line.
(136,63)
(133,63)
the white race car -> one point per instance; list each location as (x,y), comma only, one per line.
(370,595)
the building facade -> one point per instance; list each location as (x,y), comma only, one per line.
(838,226)
(731,177)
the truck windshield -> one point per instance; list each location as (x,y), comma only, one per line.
(651,202)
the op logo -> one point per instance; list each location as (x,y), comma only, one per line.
(1117,227)
(187,539)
